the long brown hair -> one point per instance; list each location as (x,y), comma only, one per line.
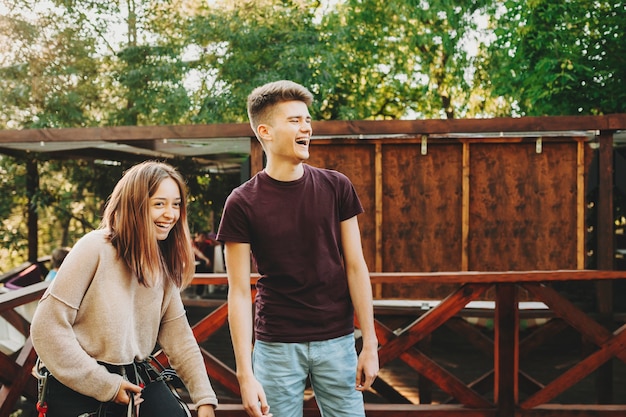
(132,233)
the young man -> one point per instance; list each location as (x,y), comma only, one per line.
(300,224)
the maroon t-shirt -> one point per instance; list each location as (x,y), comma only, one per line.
(294,232)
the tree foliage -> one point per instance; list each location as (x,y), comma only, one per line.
(47,73)
(244,44)
(560,58)
(75,63)
(363,60)
(398,58)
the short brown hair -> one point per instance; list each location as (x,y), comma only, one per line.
(262,99)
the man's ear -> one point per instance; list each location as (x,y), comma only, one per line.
(263,131)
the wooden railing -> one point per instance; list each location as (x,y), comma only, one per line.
(15,370)
(504,391)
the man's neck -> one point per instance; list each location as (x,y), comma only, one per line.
(284,172)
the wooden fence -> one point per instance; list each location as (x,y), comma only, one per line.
(505,390)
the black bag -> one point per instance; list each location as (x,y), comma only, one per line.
(160,398)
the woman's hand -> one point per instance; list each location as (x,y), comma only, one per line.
(126,389)
(206,410)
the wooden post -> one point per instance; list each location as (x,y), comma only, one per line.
(606,235)
(424,386)
(32,187)
(378,201)
(506,350)
(605,255)
(580,205)
(10,394)
(465,207)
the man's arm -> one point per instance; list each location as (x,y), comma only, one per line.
(237,256)
(361,294)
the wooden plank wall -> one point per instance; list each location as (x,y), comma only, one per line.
(464,204)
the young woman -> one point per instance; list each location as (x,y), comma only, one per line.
(116,296)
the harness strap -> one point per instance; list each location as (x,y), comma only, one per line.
(42,374)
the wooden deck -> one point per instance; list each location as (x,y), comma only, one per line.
(508,386)
(434,362)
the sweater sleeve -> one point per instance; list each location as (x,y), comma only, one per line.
(179,344)
(52,330)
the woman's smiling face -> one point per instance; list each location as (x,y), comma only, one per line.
(165,207)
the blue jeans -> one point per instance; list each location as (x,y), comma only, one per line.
(283,368)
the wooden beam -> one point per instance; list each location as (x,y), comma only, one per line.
(434,372)
(431,320)
(324,128)
(8,369)
(378,202)
(9,394)
(460,277)
(256,157)
(221,373)
(456,277)
(15,298)
(32,187)
(574,316)
(578,371)
(539,336)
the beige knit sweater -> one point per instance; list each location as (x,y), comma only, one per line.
(95,310)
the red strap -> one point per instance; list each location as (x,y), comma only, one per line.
(42,408)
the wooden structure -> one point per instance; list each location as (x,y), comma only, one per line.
(440,195)
(465,204)
(484,209)
(504,390)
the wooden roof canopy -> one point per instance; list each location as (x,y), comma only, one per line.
(226,146)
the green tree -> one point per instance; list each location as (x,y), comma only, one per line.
(48,76)
(81,63)
(559,58)
(73,63)
(363,60)
(397,58)
(243,44)
(13,205)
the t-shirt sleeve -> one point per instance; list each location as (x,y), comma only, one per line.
(234,226)
(350,204)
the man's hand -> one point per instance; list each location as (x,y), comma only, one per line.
(253,399)
(367,369)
